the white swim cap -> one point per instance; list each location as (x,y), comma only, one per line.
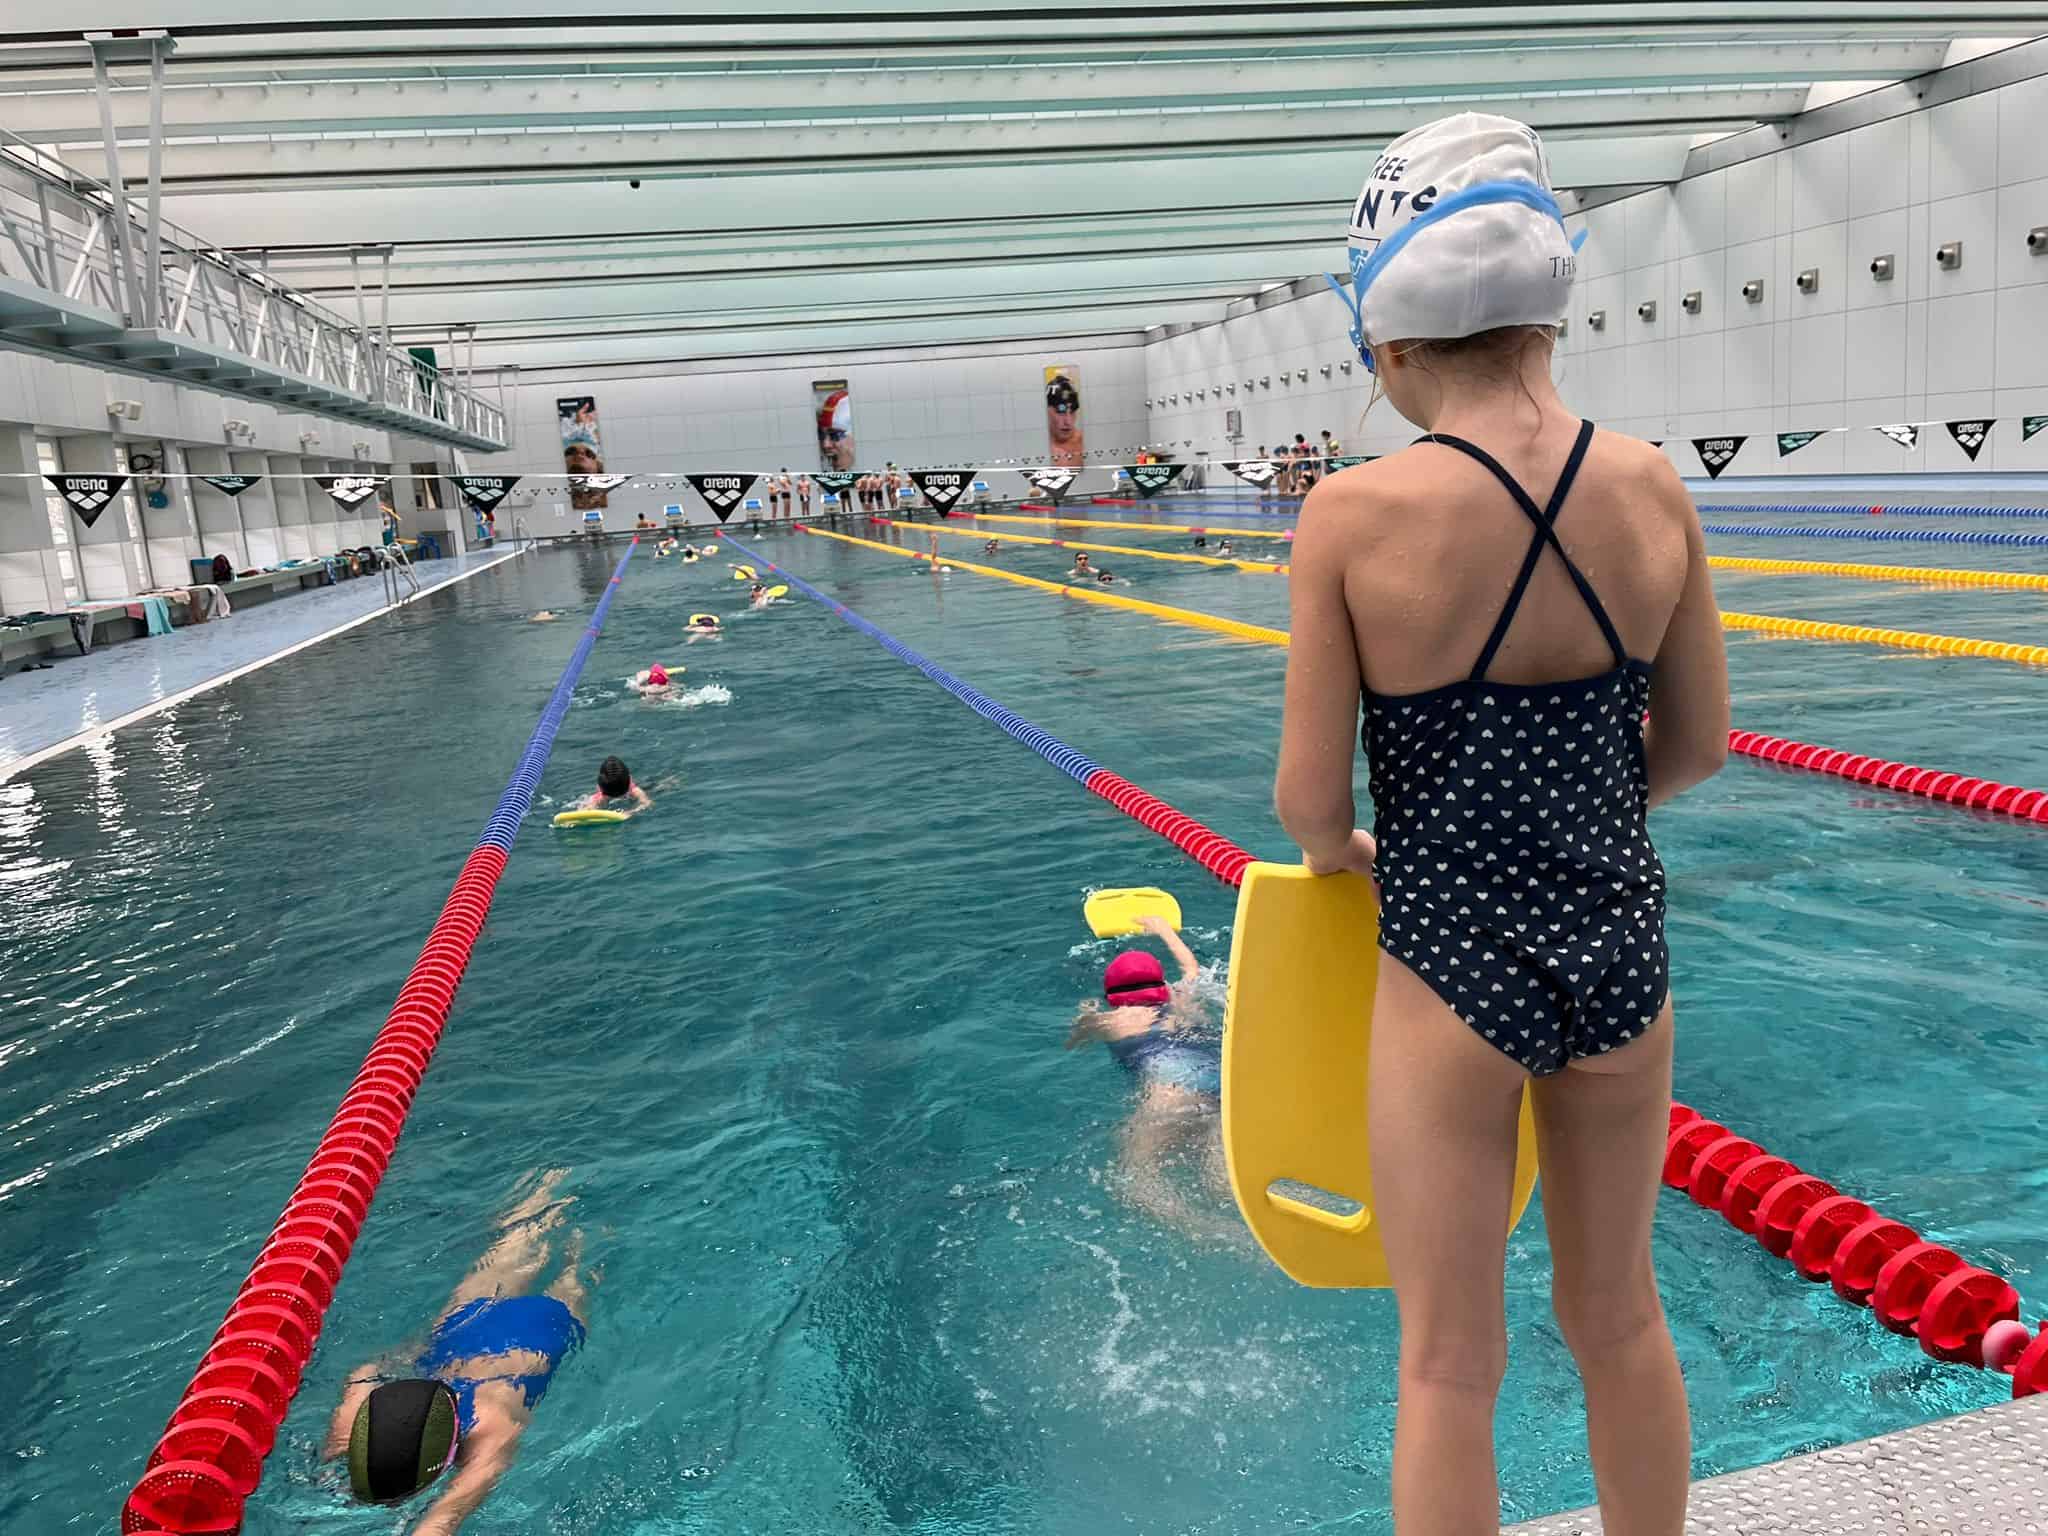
(1457,232)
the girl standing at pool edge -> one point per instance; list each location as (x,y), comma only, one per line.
(1522,922)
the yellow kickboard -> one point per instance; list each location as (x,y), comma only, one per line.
(743,573)
(776,592)
(1115,914)
(1297,1032)
(588,818)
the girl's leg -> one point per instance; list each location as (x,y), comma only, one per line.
(1444,1109)
(1601,1126)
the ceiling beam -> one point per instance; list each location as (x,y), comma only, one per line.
(724,152)
(570,102)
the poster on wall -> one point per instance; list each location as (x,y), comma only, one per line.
(1065,441)
(832,404)
(582,452)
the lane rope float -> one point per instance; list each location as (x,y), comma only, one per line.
(1086,522)
(1901,639)
(1957,1311)
(1895,535)
(1930,575)
(1085,593)
(1263,566)
(210,1456)
(1906,778)
(1934,784)
(1210,849)
(1845,510)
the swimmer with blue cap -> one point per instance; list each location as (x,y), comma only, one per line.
(460,1405)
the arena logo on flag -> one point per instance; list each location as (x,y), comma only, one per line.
(1717,453)
(1050,480)
(1151,479)
(1347,460)
(1253,471)
(1906,433)
(88,495)
(835,480)
(1792,442)
(943,488)
(722,493)
(350,491)
(594,485)
(231,485)
(1969,436)
(484,491)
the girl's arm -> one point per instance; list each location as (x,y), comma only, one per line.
(1312,791)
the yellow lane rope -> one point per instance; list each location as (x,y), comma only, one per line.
(1087,594)
(1083,522)
(1904,639)
(2020,581)
(1803,629)
(1107,549)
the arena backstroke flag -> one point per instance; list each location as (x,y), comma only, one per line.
(943,488)
(350,491)
(1151,479)
(231,485)
(484,492)
(1259,472)
(88,495)
(1717,453)
(1052,481)
(723,493)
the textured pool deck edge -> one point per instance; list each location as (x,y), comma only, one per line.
(1979,1474)
(46,714)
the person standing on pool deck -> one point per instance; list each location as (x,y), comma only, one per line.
(486,1365)
(1522,920)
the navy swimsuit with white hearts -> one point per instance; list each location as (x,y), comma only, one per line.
(1515,862)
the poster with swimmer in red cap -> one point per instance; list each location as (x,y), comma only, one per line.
(834,406)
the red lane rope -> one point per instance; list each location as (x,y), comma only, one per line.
(1931,783)
(1958,1311)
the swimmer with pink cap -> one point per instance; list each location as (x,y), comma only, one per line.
(654,682)
(1158,1032)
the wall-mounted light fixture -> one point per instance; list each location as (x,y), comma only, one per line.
(1345,366)
(1647,311)
(1326,370)
(1808,281)
(1882,269)
(2037,240)
(1753,290)
(1692,301)
(1596,320)
(1302,374)
(1950,256)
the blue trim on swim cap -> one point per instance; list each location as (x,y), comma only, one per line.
(1366,268)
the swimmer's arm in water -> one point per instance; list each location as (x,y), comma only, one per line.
(486,1456)
(1159,1128)
(1163,931)
(642,801)
(1312,791)
(1089,1020)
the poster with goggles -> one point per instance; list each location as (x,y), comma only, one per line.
(1066,443)
(582,452)
(832,404)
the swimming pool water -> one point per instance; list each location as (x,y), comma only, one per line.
(797,1036)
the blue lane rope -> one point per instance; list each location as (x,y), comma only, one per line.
(1894,535)
(517,800)
(1862,509)
(1051,748)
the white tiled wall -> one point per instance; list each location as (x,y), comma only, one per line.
(1928,345)
(22,589)
(921,411)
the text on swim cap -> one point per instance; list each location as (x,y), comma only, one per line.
(1382,188)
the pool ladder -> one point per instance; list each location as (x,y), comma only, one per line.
(400,579)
